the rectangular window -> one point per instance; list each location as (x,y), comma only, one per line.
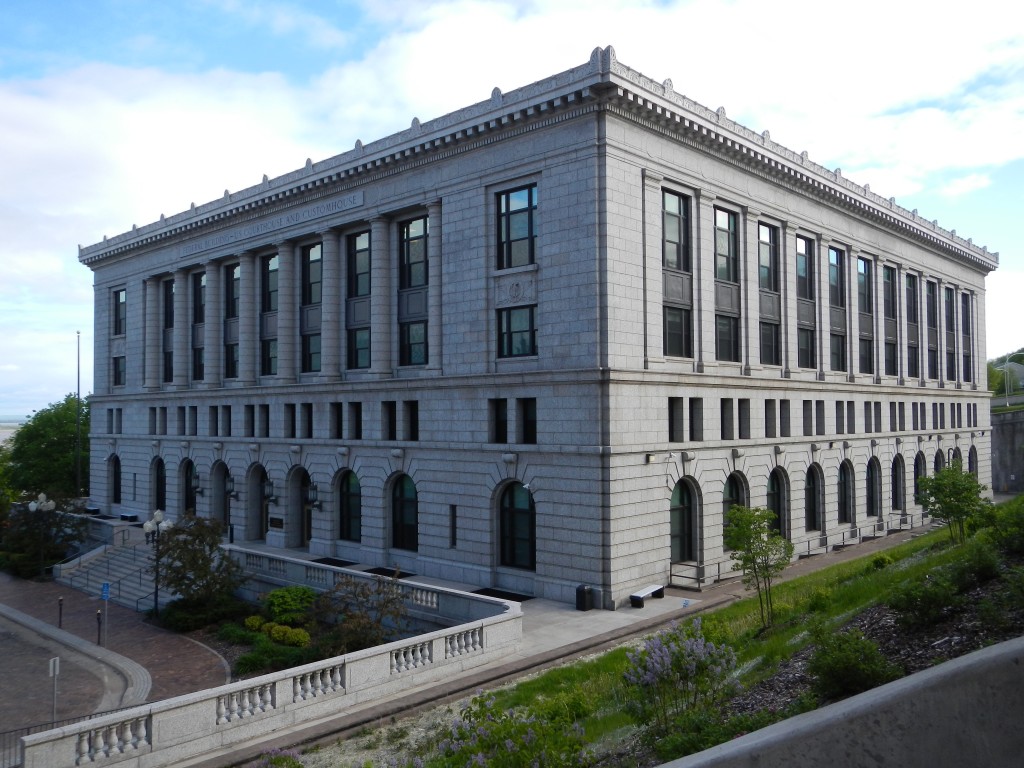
(726,251)
(768,257)
(805,356)
(412,253)
(676,423)
(312,274)
(784,422)
(411,419)
(213,421)
(355,421)
(412,348)
(890,358)
(225,420)
(935,415)
(804,268)
(867,417)
(771,354)
(836,278)
(268,284)
(453,520)
(498,417)
(913,361)
(337,421)
(249,421)
(950,310)
(311,353)
(675,221)
(819,417)
(120,312)
(950,365)
(359,265)
(727,338)
(851,417)
(678,339)
(770,418)
(120,371)
(878,416)
(289,420)
(743,414)
(232,290)
(967,366)
(517,232)
(840,417)
(913,417)
(931,291)
(865,298)
(892,417)
(837,351)
(696,419)
(199,298)
(526,409)
(889,292)
(198,364)
(726,418)
(268,357)
(389,420)
(912,299)
(808,417)
(168,288)
(933,363)
(358,348)
(181,421)
(517,332)
(867,355)
(231,361)
(965,314)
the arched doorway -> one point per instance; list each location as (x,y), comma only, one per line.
(222,488)
(813,507)
(114,478)
(302,498)
(874,489)
(940,461)
(972,461)
(189,482)
(899,471)
(847,493)
(777,500)
(517,528)
(260,493)
(349,506)
(404,514)
(684,523)
(158,484)
(920,469)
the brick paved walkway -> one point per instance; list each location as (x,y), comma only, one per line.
(176,664)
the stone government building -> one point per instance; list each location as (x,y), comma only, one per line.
(543,341)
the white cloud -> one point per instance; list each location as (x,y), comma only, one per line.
(966,184)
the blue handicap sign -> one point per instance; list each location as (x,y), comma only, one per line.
(106,590)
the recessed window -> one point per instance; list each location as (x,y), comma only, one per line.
(837,352)
(912,317)
(517,232)
(727,338)
(865,295)
(120,371)
(404,515)
(675,243)
(312,274)
(497,409)
(836,277)
(232,291)
(726,251)
(120,312)
(359,265)
(350,508)
(412,348)
(412,253)
(517,332)
(771,353)
(889,292)
(804,268)
(358,348)
(268,357)
(518,528)
(805,353)
(678,339)
(199,298)
(768,257)
(526,408)
(311,352)
(268,283)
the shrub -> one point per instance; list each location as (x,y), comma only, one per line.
(1008,526)
(190,615)
(845,663)
(675,670)
(977,564)
(247,663)
(819,600)
(279,634)
(923,603)
(254,623)
(880,562)
(268,627)
(699,729)
(290,605)
(232,633)
(296,637)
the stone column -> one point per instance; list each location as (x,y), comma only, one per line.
(102,328)
(381,299)
(287,312)
(878,315)
(940,321)
(152,338)
(435,277)
(978,359)
(957,337)
(852,314)
(653,287)
(821,300)
(787,287)
(213,327)
(901,323)
(182,331)
(704,280)
(332,303)
(750,289)
(248,320)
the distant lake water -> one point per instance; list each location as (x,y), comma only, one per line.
(7,429)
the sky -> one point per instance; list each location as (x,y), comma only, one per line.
(113,112)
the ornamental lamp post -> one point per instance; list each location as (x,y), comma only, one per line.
(154,527)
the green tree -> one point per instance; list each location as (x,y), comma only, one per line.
(43,455)
(357,614)
(760,551)
(954,497)
(193,565)
(36,533)
(995,380)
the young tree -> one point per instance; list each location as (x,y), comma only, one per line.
(954,497)
(761,552)
(46,455)
(192,564)
(357,614)
(36,533)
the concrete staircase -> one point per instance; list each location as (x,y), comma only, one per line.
(126,566)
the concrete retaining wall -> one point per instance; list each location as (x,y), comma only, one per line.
(967,712)
(1008,452)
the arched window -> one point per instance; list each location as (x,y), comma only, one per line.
(777,500)
(158,475)
(683,523)
(189,482)
(115,479)
(958,458)
(812,500)
(972,461)
(920,468)
(898,474)
(350,507)
(732,496)
(847,499)
(404,514)
(940,461)
(874,489)
(518,524)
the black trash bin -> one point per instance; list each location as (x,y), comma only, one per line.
(584,598)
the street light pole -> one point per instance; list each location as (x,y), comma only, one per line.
(154,527)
